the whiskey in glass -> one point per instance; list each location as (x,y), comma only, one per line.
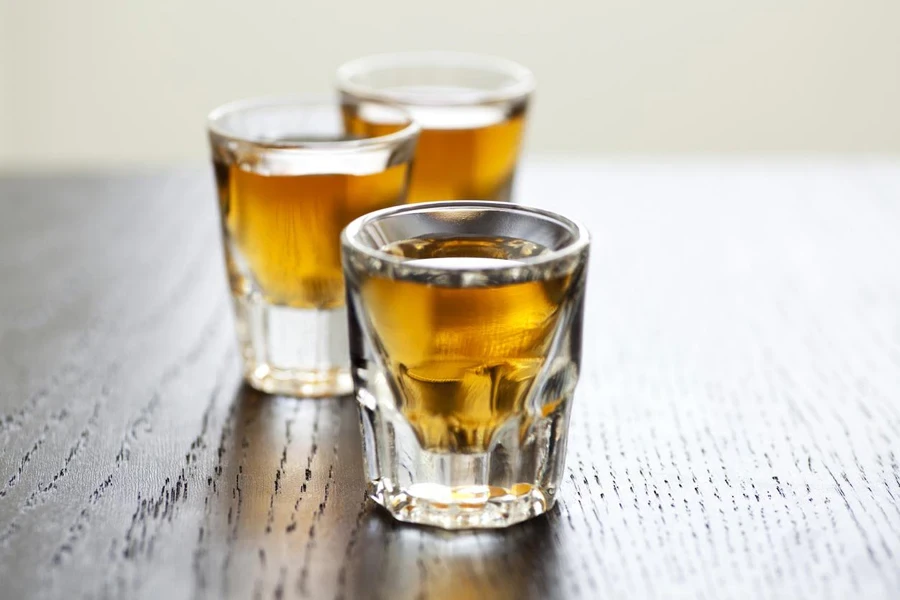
(289,178)
(472,111)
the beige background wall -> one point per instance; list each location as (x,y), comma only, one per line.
(123,82)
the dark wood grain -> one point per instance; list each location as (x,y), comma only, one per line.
(736,430)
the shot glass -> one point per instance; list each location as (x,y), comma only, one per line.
(289,178)
(471,109)
(465,343)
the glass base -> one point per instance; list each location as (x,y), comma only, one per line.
(514,479)
(307,383)
(461,507)
(292,351)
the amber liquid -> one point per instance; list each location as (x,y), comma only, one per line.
(459,163)
(286,229)
(463,359)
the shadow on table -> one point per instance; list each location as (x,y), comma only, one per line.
(395,559)
(286,450)
(306,444)
(287,484)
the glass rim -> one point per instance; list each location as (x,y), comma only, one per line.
(522,86)
(582,237)
(214,126)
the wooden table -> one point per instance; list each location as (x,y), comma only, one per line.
(735,432)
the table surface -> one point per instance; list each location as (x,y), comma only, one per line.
(735,429)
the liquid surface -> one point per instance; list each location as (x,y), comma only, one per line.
(463,359)
(462,263)
(500,250)
(285,230)
(459,156)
